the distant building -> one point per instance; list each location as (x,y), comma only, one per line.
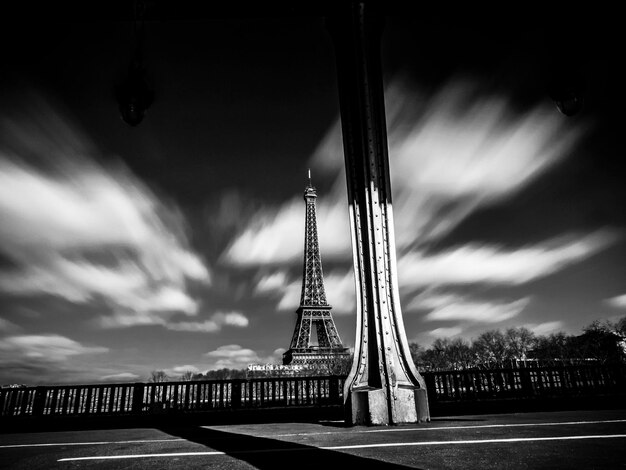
(275,370)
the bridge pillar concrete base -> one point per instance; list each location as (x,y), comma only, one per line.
(371,407)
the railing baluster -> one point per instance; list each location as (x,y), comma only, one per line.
(64,403)
(99,398)
(110,399)
(137,406)
(88,400)
(175,404)
(122,403)
(3,400)
(274,382)
(455,385)
(53,401)
(164,398)
(309,384)
(235,397)
(39,401)
(152,401)
(199,391)
(13,402)
(48,401)
(285,392)
(186,402)
(26,397)
(75,400)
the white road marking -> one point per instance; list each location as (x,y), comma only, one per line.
(477,426)
(511,425)
(478,441)
(96,443)
(358,446)
(486,426)
(140,456)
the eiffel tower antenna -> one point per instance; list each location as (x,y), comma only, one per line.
(314,317)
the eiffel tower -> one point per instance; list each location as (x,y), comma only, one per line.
(314,315)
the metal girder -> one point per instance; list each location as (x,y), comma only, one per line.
(383,387)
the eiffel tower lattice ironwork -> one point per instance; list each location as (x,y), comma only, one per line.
(314,317)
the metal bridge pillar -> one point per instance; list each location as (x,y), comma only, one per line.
(383,387)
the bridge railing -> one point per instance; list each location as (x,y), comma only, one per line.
(283,392)
(469,385)
(151,398)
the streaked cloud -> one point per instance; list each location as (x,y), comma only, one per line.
(272,282)
(617,301)
(275,235)
(451,306)
(483,312)
(473,263)
(121,377)
(215,323)
(50,358)
(231,319)
(282,286)
(340,291)
(45,347)
(444,332)
(233,356)
(183,369)
(290,299)
(175,373)
(85,231)
(211,325)
(545,328)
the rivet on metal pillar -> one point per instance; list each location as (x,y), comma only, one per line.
(383,387)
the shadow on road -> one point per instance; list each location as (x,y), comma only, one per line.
(272,454)
(28,424)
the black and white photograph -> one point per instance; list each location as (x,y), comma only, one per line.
(283,234)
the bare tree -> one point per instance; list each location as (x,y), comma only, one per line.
(187,376)
(444,354)
(556,348)
(158,376)
(519,343)
(490,348)
(602,342)
(437,357)
(460,354)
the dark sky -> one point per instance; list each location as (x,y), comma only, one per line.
(177,244)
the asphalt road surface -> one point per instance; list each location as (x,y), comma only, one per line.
(558,440)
